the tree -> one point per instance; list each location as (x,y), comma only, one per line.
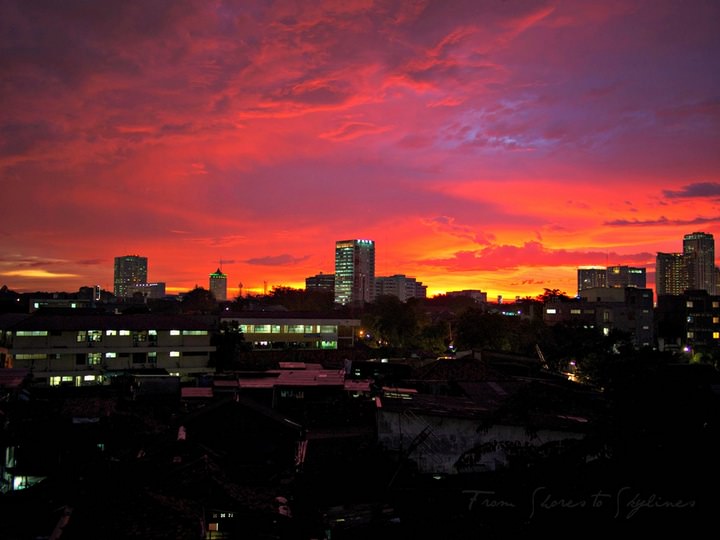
(199,301)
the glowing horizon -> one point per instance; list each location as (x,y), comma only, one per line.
(482,145)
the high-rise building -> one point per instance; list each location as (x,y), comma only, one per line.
(218,285)
(670,274)
(699,252)
(354,271)
(591,277)
(626,276)
(129,270)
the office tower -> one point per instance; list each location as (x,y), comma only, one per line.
(591,277)
(699,252)
(670,274)
(218,285)
(626,276)
(320,282)
(354,271)
(129,270)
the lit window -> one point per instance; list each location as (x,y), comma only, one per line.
(690,335)
(551,311)
(689,303)
(111,332)
(576,311)
(124,332)
(94,335)
(33,333)
(110,355)
(174,354)
(716,335)
(194,332)
(174,332)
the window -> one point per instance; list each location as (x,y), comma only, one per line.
(174,354)
(327,329)
(32,333)
(94,359)
(689,303)
(81,336)
(194,333)
(295,328)
(262,329)
(275,328)
(139,337)
(80,359)
(152,357)
(94,335)
(716,335)
(576,311)
(716,320)
(110,355)
(124,332)
(138,358)
(111,332)
(691,335)
(31,356)
(174,332)
(551,311)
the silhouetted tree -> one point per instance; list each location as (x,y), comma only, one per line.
(199,300)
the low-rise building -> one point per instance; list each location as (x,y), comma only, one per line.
(80,350)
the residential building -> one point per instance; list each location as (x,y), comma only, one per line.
(476,294)
(401,286)
(699,252)
(670,274)
(218,285)
(354,272)
(628,309)
(92,349)
(129,270)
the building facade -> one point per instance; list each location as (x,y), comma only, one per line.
(147,290)
(699,253)
(591,277)
(626,276)
(320,282)
(218,285)
(670,274)
(401,286)
(129,270)
(264,330)
(354,272)
(82,350)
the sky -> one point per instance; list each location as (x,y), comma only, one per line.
(483,144)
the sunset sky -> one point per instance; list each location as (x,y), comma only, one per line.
(483,144)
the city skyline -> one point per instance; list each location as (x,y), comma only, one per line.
(495,146)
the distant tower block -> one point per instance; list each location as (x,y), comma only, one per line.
(218,285)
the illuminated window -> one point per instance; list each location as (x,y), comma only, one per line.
(690,335)
(110,355)
(551,311)
(32,356)
(716,335)
(275,328)
(152,332)
(94,335)
(111,332)
(576,311)
(689,303)
(716,304)
(326,329)
(174,354)
(33,333)
(716,320)
(606,331)
(94,358)
(81,336)
(152,357)
(194,333)
(124,332)
(262,329)
(174,332)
